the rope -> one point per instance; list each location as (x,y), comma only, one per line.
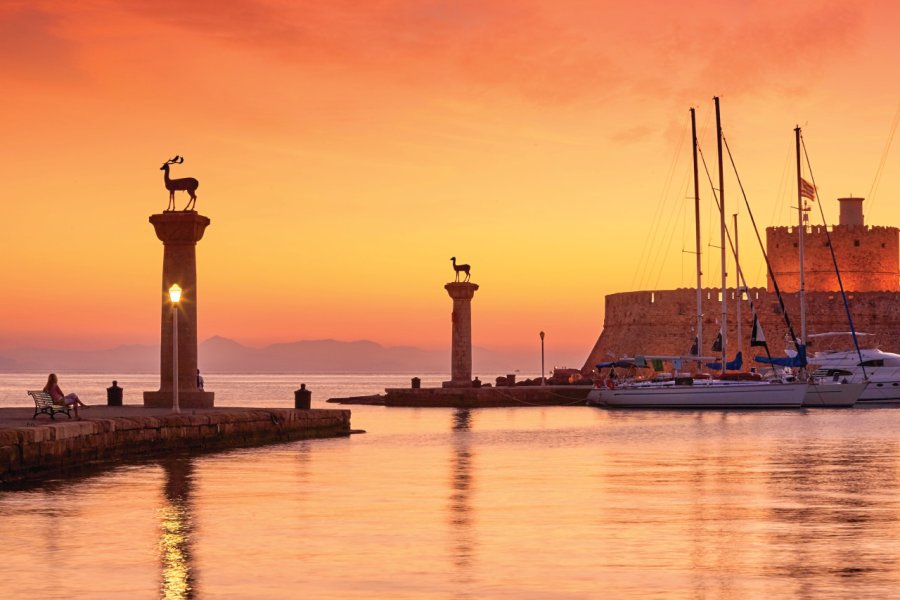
(525,402)
(731,244)
(787,319)
(877,181)
(833,256)
(644,264)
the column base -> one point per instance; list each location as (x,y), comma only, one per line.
(457,384)
(185,399)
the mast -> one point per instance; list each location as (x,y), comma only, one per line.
(697,241)
(724,326)
(740,289)
(801,229)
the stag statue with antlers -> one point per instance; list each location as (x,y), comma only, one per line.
(187,184)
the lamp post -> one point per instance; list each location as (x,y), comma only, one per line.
(175,297)
(543,381)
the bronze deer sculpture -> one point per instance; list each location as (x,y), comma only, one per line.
(460,269)
(187,184)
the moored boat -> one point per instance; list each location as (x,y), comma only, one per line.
(700,393)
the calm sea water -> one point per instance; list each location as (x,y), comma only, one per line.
(554,502)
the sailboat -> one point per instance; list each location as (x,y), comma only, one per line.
(824,389)
(693,392)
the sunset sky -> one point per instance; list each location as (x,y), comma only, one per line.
(347,149)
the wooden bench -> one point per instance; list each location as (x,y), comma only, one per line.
(43,403)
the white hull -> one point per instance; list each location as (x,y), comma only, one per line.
(885,390)
(884,378)
(728,395)
(833,394)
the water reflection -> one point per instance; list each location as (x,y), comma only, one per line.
(178,580)
(461,521)
(834,502)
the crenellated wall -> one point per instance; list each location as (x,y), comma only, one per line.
(664,321)
(868,257)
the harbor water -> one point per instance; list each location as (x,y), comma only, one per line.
(531,502)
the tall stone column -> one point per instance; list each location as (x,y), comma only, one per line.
(179,232)
(462,293)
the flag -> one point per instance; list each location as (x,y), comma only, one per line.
(807,190)
(757,337)
(717,345)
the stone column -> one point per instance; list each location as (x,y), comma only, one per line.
(461,344)
(179,232)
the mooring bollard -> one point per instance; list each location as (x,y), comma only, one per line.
(114,395)
(302,397)
(416,383)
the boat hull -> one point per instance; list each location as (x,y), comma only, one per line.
(833,394)
(738,395)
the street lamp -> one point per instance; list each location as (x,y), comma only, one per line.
(175,297)
(543,381)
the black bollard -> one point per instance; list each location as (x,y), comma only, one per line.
(302,397)
(416,383)
(114,395)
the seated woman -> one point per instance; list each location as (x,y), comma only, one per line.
(58,397)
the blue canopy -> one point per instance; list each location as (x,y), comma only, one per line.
(616,363)
(798,360)
(733,365)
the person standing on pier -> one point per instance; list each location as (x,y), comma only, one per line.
(199,380)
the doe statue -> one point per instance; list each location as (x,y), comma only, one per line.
(187,184)
(460,269)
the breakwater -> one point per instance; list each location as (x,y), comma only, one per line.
(485,397)
(34,449)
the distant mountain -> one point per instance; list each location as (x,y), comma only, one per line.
(219,354)
(122,359)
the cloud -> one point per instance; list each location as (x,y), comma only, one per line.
(575,51)
(31,48)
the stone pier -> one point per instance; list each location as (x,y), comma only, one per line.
(179,231)
(462,293)
(34,449)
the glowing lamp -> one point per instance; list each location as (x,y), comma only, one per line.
(175,293)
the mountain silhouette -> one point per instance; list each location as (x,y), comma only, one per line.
(220,354)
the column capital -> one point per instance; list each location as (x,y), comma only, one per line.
(461,290)
(179,227)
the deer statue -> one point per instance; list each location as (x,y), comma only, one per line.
(187,184)
(460,269)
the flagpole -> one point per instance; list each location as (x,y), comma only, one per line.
(740,294)
(801,229)
(697,231)
(724,326)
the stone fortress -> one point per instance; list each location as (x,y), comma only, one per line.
(663,322)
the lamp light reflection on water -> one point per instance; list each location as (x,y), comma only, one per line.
(175,532)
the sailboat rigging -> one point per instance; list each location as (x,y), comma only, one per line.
(700,392)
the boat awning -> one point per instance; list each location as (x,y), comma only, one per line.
(797,360)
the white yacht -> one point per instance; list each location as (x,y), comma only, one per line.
(881,368)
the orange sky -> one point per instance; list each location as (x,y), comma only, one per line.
(346,149)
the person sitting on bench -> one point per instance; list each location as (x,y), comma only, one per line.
(58,397)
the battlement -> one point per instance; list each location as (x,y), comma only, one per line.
(664,321)
(868,257)
(820,229)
